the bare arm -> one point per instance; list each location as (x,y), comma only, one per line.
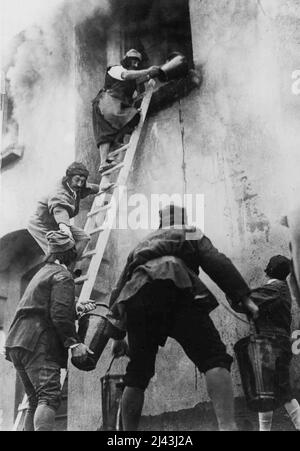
(141,75)
(222,271)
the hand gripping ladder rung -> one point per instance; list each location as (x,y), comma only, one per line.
(111,213)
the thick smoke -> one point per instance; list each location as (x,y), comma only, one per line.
(42,84)
(41,65)
(44,58)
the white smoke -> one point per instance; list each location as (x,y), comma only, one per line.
(44,58)
(41,74)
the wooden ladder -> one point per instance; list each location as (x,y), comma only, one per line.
(110,210)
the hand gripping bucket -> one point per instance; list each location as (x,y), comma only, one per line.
(95,331)
(175,67)
(112,387)
(257,357)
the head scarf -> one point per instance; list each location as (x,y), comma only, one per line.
(278,267)
(77,169)
(132,53)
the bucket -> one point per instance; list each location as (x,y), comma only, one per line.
(175,67)
(112,387)
(257,357)
(95,331)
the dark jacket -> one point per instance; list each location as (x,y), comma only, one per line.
(274,302)
(48,304)
(176,254)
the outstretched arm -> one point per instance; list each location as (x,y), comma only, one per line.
(62,309)
(141,75)
(61,209)
(93,187)
(89,189)
(222,271)
(63,316)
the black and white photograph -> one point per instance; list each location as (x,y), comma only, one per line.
(150,218)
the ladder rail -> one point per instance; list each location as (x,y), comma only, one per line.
(131,149)
(21,409)
(115,201)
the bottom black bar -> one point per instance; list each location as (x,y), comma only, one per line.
(154,440)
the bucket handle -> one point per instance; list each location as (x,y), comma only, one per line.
(98,304)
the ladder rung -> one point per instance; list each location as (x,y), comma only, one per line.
(21,408)
(107,191)
(105,261)
(99,210)
(98,229)
(120,150)
(88,254)
(81,279)
(62,416)
(122,176)
(24,404)
(114,169)
(103,292)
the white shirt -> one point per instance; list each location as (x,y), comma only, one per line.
(271,281)
(74,193)
(116,72)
